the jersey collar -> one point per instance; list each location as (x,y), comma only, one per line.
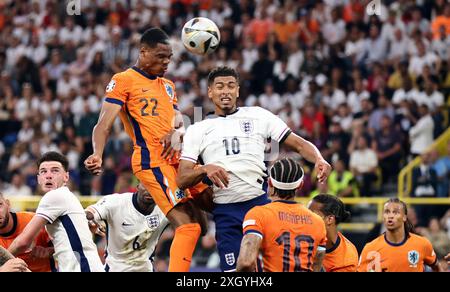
(13,229)
(145,74)
(335,245)
(224,116)
(286,201)
(395,244)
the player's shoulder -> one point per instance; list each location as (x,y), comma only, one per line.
(259,210)
(168,81)
(116,198)
(25,216)
(124,75)
(253,110)
(348,243)
(417,239)
(376,243)
(59,192)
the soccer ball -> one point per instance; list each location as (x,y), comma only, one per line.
(200,36)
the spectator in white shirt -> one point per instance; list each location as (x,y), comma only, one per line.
(269,99)
(36,51)
(431,96)
(421,134)
(354,98)
(71,32)
(17,187)
(423,58)
(363,164)
(334,30)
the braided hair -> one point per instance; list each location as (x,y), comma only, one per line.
(286,170)
(332,205)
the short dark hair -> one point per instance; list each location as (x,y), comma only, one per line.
(154,36)
(332,205)
(222,72)
(286,170)
(54,156)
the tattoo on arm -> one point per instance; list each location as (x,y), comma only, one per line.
(249,253)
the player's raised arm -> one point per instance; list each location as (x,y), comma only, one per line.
(99,135)
(310,152)
(249,253)
(189,175)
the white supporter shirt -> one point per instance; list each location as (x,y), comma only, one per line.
(132,236)
(75,251)
(235,142)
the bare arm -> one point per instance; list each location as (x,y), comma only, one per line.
(318,259)
(310,152)
(436,267)
(5,256)
(14,265)
(189,175)
(100,133)
(249,253)
(24,241)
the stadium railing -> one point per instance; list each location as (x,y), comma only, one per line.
(30,203)
(405,175)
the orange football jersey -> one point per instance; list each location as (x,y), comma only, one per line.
(342,257)
(21,219)
(291,235)
(148,113)
(411,255)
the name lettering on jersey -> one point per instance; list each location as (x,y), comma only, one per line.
(246,126)
(111,85)
(294,218)
(153,221)
(413,258)
(169,91)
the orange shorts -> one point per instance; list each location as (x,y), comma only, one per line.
(160,182)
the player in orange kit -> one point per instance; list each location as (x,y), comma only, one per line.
(39,259)
(341,255)
(147,104)
(290,237)
(397,250)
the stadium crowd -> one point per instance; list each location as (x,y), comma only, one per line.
(372,92)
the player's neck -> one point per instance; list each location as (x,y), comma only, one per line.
(332,236)
(220,112)
(144,208)
(396,236)
(8,228)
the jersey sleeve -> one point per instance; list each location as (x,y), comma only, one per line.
(191,144)
(430,257)
(117,90)
(276,128)
(362,264)
(52,206)
(254,222)
(105,207)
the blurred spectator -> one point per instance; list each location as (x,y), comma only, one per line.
(341,181)
(17,186)
(363,165)
(442,20)
(421,134)
(437,236)
(424,179)
(442,169)
(387,145)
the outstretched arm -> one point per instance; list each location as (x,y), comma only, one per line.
(24,241)
(310,152)
(249,253)
(99,135)
(318,259)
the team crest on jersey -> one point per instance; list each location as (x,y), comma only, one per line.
(152,221)
(169,91)
(111,85)
(180,194)
(246,126)
(230,259)
(413,258)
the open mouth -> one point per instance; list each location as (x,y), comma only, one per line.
(48,185)
(225,99)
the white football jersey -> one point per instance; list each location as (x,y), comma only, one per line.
(131,235)
(75,251)
(235,142)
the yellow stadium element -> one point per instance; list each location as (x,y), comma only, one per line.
(404,188)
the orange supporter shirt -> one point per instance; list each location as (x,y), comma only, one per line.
(411,255)
(342,257)
(148,113)
(21,219)
(291,235)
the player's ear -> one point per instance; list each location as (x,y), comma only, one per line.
(210,92)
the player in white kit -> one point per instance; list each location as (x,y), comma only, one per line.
(63,216)
(232,146)
(134,224)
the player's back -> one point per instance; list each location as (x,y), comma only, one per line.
(148,104)
(342,257)
(411,255)
(68,227)
(291,235)
(20,221)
